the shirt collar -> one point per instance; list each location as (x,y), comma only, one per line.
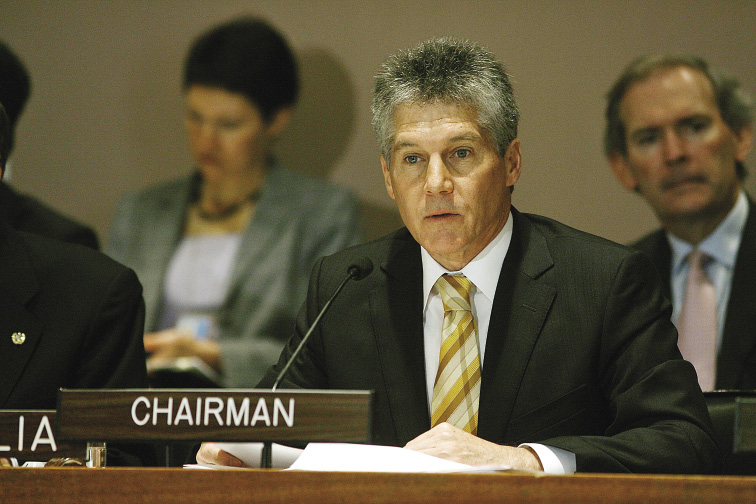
(483,270)
(722,244)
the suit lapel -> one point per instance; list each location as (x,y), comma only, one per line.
(520,307)
(397,308)
(18,286)
(739,338)
(262,233)
(163,233)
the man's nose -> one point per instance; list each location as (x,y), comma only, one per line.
(674,148)
(437,177)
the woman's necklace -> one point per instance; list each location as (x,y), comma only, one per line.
(229,211)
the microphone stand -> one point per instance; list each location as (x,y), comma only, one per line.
(353,272)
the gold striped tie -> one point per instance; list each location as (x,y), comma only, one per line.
(457,388)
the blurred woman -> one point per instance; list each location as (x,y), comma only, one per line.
(224,253)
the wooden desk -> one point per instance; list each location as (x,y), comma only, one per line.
(116,486)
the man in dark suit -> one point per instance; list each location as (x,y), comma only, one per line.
(22,211)
(575,367)
(678,134)
(69,317)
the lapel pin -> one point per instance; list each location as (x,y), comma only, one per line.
(18,338)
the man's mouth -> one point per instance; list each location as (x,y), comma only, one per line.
(441,214)
(680,181)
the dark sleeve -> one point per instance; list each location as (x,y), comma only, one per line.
(114,357)
(85,236)
(31,215)
(113,353)
(658,420)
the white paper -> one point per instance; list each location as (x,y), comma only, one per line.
(213,466)
(370,458)
(346,457)
(251,453)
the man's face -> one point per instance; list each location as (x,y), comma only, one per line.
(226,132)
(449,182)
(680,153)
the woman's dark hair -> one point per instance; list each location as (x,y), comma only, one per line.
(249,57)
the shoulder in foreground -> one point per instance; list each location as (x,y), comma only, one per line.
(80,263)
(378,249)
(27,213)
(651,242)
(552,229)
(577,252)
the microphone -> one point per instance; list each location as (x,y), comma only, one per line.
(358,270)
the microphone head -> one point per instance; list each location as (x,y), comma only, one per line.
(360,268)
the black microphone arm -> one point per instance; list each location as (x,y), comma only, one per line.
(358,270)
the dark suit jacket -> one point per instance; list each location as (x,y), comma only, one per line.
(580,355)
(82,314)
(25,213)
(736,363)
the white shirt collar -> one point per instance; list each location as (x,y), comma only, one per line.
(483,270)
(722,244)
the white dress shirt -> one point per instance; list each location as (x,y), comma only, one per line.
(483,271)
(722,247)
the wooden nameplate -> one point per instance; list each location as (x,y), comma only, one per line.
(31,435)
(215,415)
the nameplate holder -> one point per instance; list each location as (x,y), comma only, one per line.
(31,435)
(215,415)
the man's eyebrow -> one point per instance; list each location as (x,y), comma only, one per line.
(471,136)
(462,137)
(404,144)
(695,118)
(688,119)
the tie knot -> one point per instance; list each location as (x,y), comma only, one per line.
(698,259)
(455,292)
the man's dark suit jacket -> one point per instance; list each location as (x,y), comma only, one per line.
(736,363)
(580,355)
(26,213)
(82,315)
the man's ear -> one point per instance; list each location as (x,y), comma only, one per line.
(387,177)
(743,143)
(621,170)
(513,162)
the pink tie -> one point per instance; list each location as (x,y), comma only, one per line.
(697,323)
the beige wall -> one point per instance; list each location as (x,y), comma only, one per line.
(105,115)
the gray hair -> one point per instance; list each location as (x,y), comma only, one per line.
(735,104)
(448,71)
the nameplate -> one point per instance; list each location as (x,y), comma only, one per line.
(744,440)
(30,435)
(215,415)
